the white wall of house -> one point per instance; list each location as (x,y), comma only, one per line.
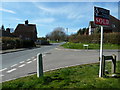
(91,30)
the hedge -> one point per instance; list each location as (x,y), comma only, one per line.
(10,43)
(112,38)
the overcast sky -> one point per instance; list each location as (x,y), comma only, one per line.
(49,15)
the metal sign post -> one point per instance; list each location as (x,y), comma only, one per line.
(101,54)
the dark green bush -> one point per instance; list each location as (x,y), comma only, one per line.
(28,43)
(10,43)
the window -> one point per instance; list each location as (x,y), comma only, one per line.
(113,26)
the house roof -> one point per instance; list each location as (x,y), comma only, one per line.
(26,28)
(112,17)
(113,20)
(113,27)
(92,24)
(3,33)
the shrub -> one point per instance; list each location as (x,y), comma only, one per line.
(28,43)
(10,43)
(112,38)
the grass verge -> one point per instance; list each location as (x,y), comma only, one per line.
(82,76)
(91,46)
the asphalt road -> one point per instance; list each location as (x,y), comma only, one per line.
(52,59)
(9,59)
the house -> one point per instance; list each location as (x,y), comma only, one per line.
(113,27)
(26,31)
(5,33)
(91,27)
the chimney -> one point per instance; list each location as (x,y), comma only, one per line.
(8,30)
(2,28)
(26,22)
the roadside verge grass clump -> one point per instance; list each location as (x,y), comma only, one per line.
(71,45)
(82,76)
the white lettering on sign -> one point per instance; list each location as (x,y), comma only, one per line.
(101,21)
(101,16)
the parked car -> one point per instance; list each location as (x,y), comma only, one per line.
(42,42)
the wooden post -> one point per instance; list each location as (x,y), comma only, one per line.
(39,65)
(103,66)
(114,63)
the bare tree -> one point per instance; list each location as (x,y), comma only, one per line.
(57,34)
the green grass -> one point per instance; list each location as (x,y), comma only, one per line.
(91,46)
(82,76)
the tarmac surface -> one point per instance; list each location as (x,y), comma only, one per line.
(53,59)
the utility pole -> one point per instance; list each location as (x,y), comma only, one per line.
(9,25)
(67,33)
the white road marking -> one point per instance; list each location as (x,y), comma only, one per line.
(34,59)
(76,50)
(3,69)
(14,65)
(11,70)
(1,75)
(66,49)
(22,61)
(21,65)
(69,49)
(29,62)
(57,49)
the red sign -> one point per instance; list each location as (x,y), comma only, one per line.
(101,21)
(101,16)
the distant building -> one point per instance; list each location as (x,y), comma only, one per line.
(113,27)
(91,27)
(26,31)
(5,33)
